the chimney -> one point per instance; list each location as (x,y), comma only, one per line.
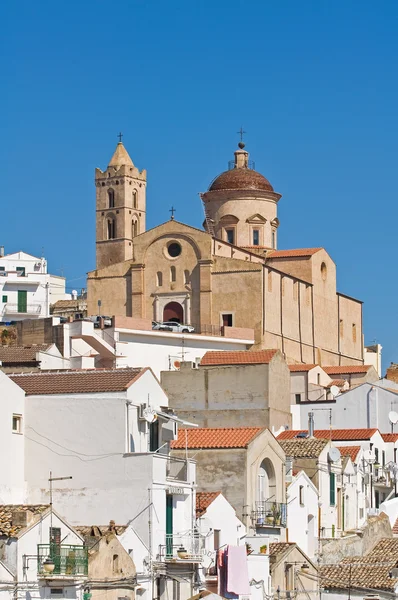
(112,526)
(1,251)
(310,424)
(21,518)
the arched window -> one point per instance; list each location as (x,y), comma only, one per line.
(134,198)
(273,244)
(173,274)
(111,198)
(111,226)
(134,228)
(186,276)
(159,278)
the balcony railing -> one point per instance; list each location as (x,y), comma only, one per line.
(29,309)
(188,547)
(69,561)
(176,469)
(269,514)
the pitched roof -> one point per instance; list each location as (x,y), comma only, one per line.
(351,451)
(295,253)
(306,448)
(99,530)
(334,434)
(300,368)
(279,547)
(238,357)
(390,437)
(228,437)
(337,382)
(76,382)
(371,571)
(347,369)
(120,157)
(6,521)
(69,303)
(21,354)
(395,527)
(203,501)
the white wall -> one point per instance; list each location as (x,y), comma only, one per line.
(302,519)
(12,488)
(221,515)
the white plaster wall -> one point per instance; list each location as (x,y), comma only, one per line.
(298,515)
(221,515)
(258,569)
(12,401)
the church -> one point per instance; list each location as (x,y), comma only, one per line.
(230,274)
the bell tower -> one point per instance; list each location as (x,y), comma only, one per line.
(120,208)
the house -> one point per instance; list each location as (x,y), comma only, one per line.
(354,374)
(247,465)
(292,572)
(111,569)
(41,555)
(374,573)
(302,499)
(308,383)
(31,358)
(231,389)
(74,308)
(26,288)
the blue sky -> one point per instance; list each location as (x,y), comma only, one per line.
(313,83)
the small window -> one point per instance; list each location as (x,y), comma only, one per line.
(111,198)
(173,274)
(298,398)
(21,271)
(324,271)
(111,229)
(227,319)
(217,539)
(186,276)
(341,328)
(230,233)
(301,495)
(174,249)
(134,228)
(318,378)
(159,278)
(115,563)
(4,298)
(17,423)
(256,237)
(273,239)
(354,333)
(332,489)
(134,198)
(56,592)
(270,281)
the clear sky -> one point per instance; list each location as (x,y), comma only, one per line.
(313,83)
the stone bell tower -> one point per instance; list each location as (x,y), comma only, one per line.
(120,208)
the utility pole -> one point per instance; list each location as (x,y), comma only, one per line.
(51,479)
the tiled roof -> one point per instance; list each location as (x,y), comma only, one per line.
(238,357)
(306,448)
(240,179)
(21,354)
(6,510)
(348,369)
(279,547)
(76,382)
(395,527)
(203,501)
(229,437)
(300,368)
(371,571)
(99,530)
(334,434)
(296,252)
(390,437)
(68,303)
(351,451)
(337,382)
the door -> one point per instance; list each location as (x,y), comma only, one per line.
(22,301)
(169,525)
(173,311)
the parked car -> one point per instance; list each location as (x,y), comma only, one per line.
(174,326)
(96,320)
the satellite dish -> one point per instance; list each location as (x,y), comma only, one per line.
(334,390)
(334,455)
(149,415)
(393,417)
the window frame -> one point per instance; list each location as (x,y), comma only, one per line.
(256,230)
(229,230)
(332,488)
(227,314)
(18,420)
(301,495)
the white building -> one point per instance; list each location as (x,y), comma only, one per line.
(302,513)
(26,289)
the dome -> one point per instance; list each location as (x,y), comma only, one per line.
(241,179)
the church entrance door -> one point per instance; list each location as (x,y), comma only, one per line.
(173,311)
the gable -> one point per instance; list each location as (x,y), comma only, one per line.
(257,218)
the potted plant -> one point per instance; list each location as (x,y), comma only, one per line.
(263,549)
(249,549)
(181,552)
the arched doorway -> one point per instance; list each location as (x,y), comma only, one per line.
(266,505)
(173,311)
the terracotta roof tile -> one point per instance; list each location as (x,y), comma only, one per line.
(301,368)
(337,382)
(229,437)
(295,253)
(240,179)
(348,369)
(76,382)
(21,354)
(334,434)
(390,437)
(238,357)
(279,547)
(351,451)
(395,528)
(203,501)
(6,511)
(306,448)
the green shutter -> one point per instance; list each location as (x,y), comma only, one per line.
(169,525)
(332,483)
(5,299)
(22,301)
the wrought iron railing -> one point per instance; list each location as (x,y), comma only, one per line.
(250,165)
(69,561)
(269,514)
(188,546)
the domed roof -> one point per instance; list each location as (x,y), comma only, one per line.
(241,179)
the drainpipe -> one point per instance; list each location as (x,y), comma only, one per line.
(311,424)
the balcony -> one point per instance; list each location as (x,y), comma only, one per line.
(176,469)
(183,547)
(14,309)
(69,561)
(269,514)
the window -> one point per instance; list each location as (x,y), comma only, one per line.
(256,237)
(17,423)
(332,489)
(186,276)
(301,495)
(115,563)
(111,223)
(55,535)
(341,328)
(159,278)
(56,592)
(21,271)
(270,281)
(354,333)
(273,240)
(324,271)
(111,198)
(217,539)
(230,233)
(134,198)
(227,319)
(3,271)
(153,436)
(134,228)
(298,398)
(173,274)
(174,249)
(383,458)
(4,298)
(318,378)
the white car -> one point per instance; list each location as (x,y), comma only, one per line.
(174,326)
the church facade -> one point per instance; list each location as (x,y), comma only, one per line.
(229,274)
